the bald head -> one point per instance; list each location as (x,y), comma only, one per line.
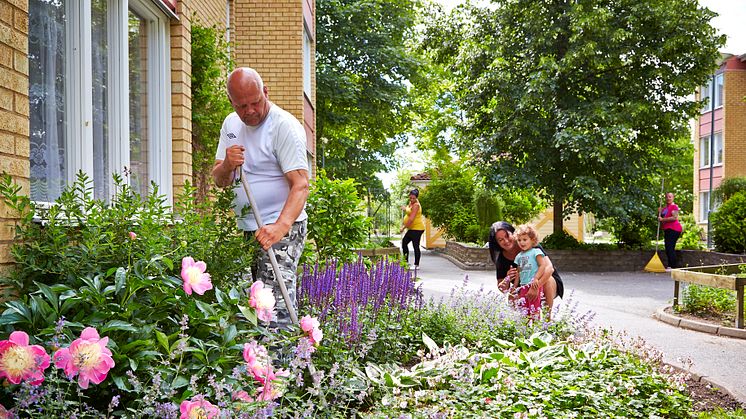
(248,95)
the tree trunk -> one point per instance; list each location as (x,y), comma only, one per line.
(558,218)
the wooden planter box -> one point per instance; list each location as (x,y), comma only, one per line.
(727,277)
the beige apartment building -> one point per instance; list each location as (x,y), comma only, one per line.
(719,134)
(104,85)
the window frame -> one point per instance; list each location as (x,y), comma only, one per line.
(79,152)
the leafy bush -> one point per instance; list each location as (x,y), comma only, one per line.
(691,236)
(709,301)
(728,225)
(631,231)
(448,200)
(561,240)
(520,205)
(729,187)
(210,63)
(338,221)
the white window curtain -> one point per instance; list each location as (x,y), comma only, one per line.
(47,99)
(99,90)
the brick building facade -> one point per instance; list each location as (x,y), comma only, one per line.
(724,153)
(103,85)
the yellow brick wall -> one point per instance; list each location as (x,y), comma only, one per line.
(210,12)
(14,111)
(181,96)
(268,37)
(734,135)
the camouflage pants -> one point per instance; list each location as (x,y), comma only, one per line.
(287,251)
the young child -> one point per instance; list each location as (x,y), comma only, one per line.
(531,265)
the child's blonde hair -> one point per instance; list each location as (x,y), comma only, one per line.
(528,230)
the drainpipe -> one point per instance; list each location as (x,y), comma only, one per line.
(712,162)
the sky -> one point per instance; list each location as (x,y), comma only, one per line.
(730,21)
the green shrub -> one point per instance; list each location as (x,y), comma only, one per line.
(703,300)
(520,205)
(448,200)
(729,187)
(210,64)
(691,236)
(729,225)
(337,220)
(561,240)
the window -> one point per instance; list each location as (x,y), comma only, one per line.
(307,49)
(705,93)
(704,206)
(99,92)
(704,150)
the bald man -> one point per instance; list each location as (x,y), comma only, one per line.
(269,145)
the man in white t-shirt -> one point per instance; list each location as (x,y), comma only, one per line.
(269,145)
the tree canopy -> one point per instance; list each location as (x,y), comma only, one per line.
(580,100)
(363,67)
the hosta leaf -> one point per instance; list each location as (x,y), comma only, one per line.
(431,345)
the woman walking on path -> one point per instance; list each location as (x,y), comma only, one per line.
(503,251)
(668,216)
(415,225)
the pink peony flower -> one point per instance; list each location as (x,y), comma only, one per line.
(262,300)
(242,396)
(316,335)
(87,356)
(311,326)
(254,352)
(264,373)
(198,408)
(268,392)
(308,323)
(194,276)
(4,414)
(133,236)
(21,361)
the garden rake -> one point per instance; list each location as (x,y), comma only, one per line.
(271,252)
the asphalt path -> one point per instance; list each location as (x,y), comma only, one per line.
(620,301)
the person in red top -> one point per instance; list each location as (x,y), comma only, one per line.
(668,216)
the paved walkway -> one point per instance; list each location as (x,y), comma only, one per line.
(622,301)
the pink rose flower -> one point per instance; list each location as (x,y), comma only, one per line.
(4,414)
(268,392)
(133,236)
(264,373)
(87,356)
(198,408)
(262,300)
(194,276)
(20,361)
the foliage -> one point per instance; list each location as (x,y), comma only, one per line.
(633,230)
(692,233)
(578,100)
(520,205)
(363,65)
(729,187)
(339,224)
(210,63)
(448,199)
(709,301)
(532,376)
(80,237)
(562,240)
(728,226)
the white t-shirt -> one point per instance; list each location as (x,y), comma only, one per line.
(273,148)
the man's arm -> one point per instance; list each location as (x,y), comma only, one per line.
(272,233)
(223,170)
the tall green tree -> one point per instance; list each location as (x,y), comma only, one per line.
(579,99)
(363,64)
